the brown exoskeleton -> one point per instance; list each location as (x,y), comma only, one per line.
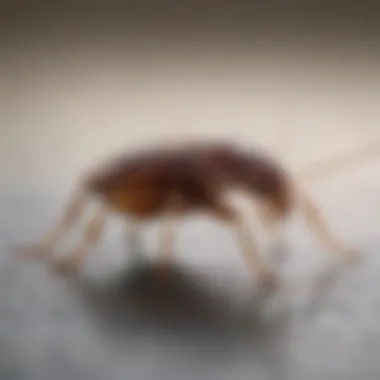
(170,182)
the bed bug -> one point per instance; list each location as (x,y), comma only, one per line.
(170,181)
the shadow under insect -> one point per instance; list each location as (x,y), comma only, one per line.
(183,305)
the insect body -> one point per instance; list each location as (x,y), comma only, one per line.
(170,182)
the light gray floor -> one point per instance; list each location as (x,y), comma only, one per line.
(66,111)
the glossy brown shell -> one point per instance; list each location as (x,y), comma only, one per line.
(141,183)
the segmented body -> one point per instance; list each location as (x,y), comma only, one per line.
(140,183)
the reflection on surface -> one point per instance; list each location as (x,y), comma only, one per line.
(183,304)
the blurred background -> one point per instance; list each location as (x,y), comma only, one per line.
(82,80)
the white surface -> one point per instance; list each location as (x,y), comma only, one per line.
(61,115)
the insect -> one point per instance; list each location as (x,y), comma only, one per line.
(169,182)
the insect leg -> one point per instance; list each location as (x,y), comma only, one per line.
(319,226)
(166,235)
(248,245)
(271,222)
(133,237)
(45,245)
(91,236)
